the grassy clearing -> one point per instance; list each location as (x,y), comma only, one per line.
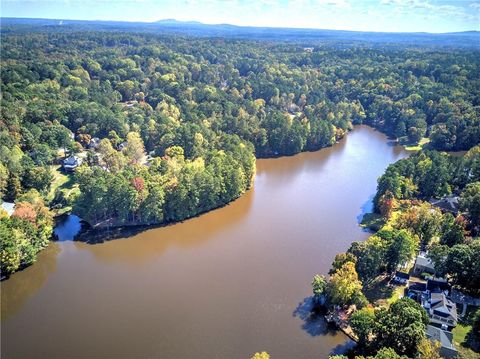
(460,333)
(463,337)
(420,145)
(379,290)
(59,180)
(373,221)
(64,182)
(397,293)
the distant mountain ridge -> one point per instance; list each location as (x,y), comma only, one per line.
(306,36)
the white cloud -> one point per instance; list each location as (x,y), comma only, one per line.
(475,5)
(337,3)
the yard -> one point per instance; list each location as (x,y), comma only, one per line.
(64,183)
(462,338)
(381,292)
(420,145)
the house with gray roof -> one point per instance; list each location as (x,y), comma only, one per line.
(447,204)
(423,264)
(441,310)
(71,163)
(447,350)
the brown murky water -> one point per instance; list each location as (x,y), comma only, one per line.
(223,285)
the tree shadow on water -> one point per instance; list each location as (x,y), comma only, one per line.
(344,348)
(312,315)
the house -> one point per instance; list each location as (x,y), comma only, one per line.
(293,108)
(447,350)
(417,291)
(417,287)
(8,207)
(447,204)
(438,286)
(122,145)
(423,264)
(94,142)
(442,311)
(130,103)
(401,277)
(71,163)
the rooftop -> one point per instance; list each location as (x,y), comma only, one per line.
(449,203)
(424,262)
(402,275)
(418,286)
(438,285)
(8,207)
(442,306)
(445,338)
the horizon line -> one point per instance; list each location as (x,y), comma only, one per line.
(235,25)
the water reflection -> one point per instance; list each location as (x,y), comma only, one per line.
(67,228)
(145,245)
(367,207)
(27,282)
(313,319)
(223,284)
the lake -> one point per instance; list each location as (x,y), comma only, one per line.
(222,285)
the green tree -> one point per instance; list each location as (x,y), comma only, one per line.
(402,249)
(452,230)
(370,257)
(387,353)
(362,322)
(470,202)
(475,331)
(340,260)
(319,284)
(400,327)
(344,285)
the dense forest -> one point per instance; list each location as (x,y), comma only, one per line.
(169,126)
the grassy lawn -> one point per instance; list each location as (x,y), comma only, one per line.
(418,147)
(59,179)
(396,294)
(373,221)
(379,291)
(460,333)
(64,182)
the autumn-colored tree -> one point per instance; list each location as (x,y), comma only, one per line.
(84,138)
(134,150)
(139,184)
(386,204)
(340,260)
(428,349)
(25,211)
(422,219)
(262,355)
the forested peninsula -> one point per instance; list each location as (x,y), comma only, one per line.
(157,128)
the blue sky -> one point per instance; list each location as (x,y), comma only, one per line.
(365,15)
